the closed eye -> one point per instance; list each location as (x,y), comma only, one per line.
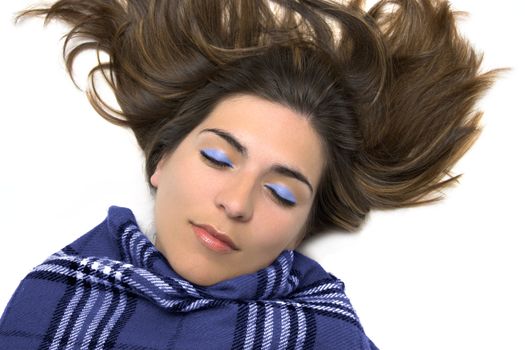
(283,195)
(216,157)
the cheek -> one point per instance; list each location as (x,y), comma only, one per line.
(187,182)
(277,229)
(182,194)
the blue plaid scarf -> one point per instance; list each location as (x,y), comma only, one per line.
(112,289)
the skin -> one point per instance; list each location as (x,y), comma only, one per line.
(237,199)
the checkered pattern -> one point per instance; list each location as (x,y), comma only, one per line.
(113,289)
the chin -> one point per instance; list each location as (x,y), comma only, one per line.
(202,280)
(196,273)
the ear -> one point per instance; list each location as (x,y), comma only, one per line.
(154,179)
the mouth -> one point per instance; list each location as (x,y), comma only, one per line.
(213,239)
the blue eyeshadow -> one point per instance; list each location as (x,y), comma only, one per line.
(217,155)
(283,192)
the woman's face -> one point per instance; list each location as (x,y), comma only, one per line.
(237,190)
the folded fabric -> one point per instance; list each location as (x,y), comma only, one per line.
(112,289)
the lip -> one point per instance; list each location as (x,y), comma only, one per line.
(213,239)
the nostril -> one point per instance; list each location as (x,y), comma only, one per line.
(236,197)
(237,208)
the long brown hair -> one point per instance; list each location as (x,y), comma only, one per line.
(391,91)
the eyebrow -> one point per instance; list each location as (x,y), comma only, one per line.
(229,138)
(287,171)
(277,168)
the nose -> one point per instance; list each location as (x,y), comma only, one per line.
(236,198)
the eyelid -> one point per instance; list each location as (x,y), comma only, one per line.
(217,156)
(283,193)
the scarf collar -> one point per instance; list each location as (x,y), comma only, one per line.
(140,269)
(111,288)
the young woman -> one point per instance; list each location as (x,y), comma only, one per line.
(262,124)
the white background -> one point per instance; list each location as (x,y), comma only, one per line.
(445,276)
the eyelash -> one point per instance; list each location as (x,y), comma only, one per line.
(214,161)
(220,164)
(280,199)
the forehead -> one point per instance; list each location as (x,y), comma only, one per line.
(271,133)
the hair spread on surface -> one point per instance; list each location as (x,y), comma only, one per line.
(391,90)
